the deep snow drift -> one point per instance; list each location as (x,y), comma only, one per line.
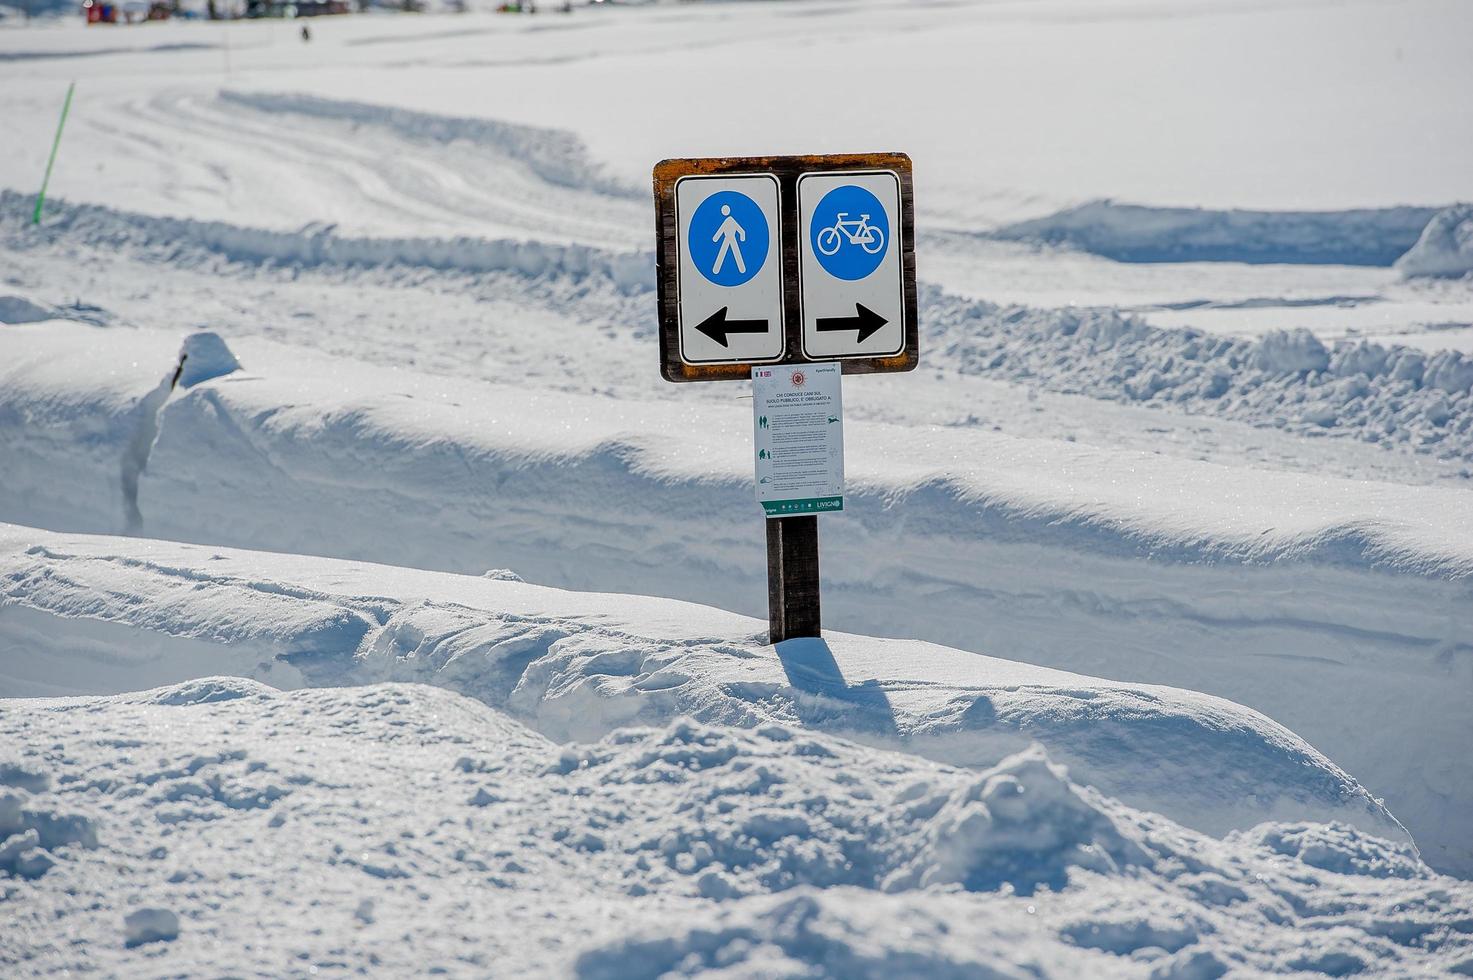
(236,817)
(396,827)
(104,615)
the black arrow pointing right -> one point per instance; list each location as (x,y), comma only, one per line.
(717,326)
(865,320)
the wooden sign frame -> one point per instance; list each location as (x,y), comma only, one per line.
(787,170)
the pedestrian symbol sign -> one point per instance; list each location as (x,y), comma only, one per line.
(728,238)
(785,260)
(731,301)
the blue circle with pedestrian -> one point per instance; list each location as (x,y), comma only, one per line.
(850,232)
(728,238)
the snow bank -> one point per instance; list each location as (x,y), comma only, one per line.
(208,244)
(1131,566)
(98,615)
(555,155)
(249,828)
(1445,247)
(1388,395)
(1382,394)
(1135,233)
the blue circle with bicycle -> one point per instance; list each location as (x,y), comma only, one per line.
(728,238)
(849,232)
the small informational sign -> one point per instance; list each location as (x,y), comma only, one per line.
(798,429)
(785,260)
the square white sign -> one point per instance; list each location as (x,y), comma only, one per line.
(729,239)
(849,240)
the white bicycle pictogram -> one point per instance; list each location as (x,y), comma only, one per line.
(860,233)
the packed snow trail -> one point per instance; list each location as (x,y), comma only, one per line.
(223,825)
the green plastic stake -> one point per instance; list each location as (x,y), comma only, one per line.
(41,198)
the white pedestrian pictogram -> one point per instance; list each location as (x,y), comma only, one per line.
(732,233)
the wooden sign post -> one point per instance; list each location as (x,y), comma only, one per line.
(766,261)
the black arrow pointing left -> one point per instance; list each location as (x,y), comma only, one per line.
(717,326)
(865,320)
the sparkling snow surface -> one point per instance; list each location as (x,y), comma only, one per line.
(398,829)
(1149,618)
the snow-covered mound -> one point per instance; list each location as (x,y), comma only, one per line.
(104,615)
(556,156)
(1385,394)
(214,243)
(1061,555)
(1136,233)
(222,825)
(1445,247)
(22,309)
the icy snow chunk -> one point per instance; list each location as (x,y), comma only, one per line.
(26,777)
(1363,358)
(204,356)
(11,820)
(57,829)
(484,797)
(15,845)
(209,690)
(1339,848)
(33,862)
(1445,247)
(1289,352)
(502,575)
(1450,371)
(18,309)
(150,925)
(1020,823)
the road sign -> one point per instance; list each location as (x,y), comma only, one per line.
(798,438)
(853,295)
(731,297)
(785,260)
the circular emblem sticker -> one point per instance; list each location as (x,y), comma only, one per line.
(849,232)
(728,238)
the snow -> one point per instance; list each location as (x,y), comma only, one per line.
(681,848)
(203,357)
(467,842)
(1133,233)
(369,604)
(1059,554)
(1445,247)
(578,666)
(150,926)
(19,309)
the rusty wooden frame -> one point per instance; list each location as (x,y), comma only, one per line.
(787,170)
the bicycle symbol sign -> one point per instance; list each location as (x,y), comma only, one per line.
(850,230)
